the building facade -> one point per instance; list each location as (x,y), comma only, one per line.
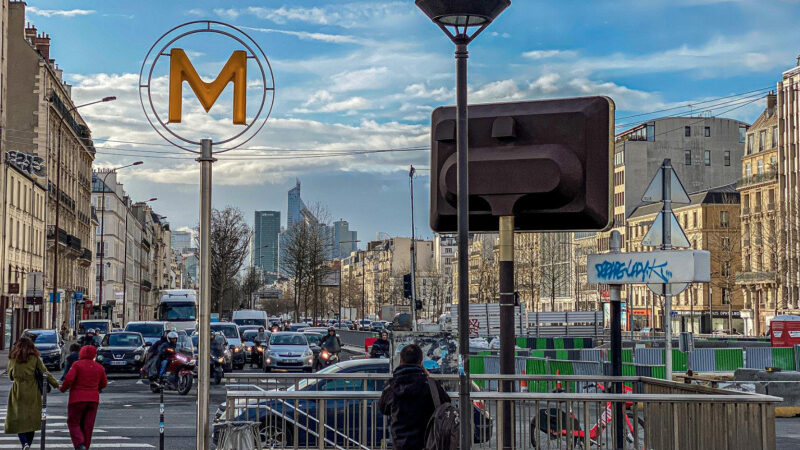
(345,241)
(710,222)
(788,178)
(761,239)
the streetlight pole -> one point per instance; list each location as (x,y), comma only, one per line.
(461,16)
(102,229)
(61,115)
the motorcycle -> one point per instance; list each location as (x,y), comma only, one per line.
(179,375)
(257,354)
(217,372)
(326,358)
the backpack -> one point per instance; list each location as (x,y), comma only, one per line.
(442,432)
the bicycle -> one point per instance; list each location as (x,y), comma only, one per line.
(556,424)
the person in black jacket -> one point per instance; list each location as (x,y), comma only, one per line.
(407,399)
(88,338)
(381,347)
(74,350)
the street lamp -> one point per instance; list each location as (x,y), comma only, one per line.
(61,115)
(102,228)
(463,16)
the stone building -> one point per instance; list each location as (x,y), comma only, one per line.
(710,222)
(45,124)
(788,178)
(762,241)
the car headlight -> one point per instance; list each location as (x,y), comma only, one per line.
(99,358)
(307,353)
(137,357)
(249,349)
(236,349)
(221,360)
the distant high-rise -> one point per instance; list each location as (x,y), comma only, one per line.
(296,206)
(180,241)
(264,251)
(344,240)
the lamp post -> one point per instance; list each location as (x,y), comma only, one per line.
(102,229)
(467,18)
(58,196)
(125,269)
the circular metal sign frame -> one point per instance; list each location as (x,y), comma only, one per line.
(224,29)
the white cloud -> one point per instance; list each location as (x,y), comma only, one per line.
(363,79)
(59,12)
(196,12)
(352,15)
(547,54)
(308,36)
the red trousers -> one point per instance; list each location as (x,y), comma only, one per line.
(80,421)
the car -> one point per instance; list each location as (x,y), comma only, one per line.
(377,326)
(151,331)
(280,420)
(364,324)
(122,352)
(231,332)
(348,324)
(101,326)
(243,328)
(50,346)
(247,338)
(297,326)
(323,330)
(250,317)
(288,350)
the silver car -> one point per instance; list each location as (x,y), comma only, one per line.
(288,350)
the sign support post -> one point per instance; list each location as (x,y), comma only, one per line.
(615,298)
(206,159)
(507,363)
(666,244)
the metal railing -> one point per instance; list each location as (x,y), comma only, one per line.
(655,414)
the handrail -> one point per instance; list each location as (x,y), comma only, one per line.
(518,396)
(388,376)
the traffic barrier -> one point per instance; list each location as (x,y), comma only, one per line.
(729,359)
(593,354)
(649,356)
(476,367)
(758,357)
(703,360)
(784,357)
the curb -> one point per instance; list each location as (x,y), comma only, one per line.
(787,411)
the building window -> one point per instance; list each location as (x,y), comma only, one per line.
(726,296)
(687,131)
(707,131)
(726,243)
(727,157)
(760,167)
(762,137)
(773,163)
(707,157)
(747,170)
(687,157)
(774,137)
(724,219)
(749,144)
(742,133)
(694,219)
(651,132)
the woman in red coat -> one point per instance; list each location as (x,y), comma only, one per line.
(85,380)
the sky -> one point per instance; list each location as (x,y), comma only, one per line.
(365,75)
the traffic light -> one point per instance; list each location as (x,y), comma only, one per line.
(407,285)
(418,305)
(547,163)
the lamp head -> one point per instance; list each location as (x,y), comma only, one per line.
(108,99)
(462,15)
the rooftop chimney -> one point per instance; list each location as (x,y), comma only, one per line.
(772,99)
(42,44)
(798,60)
(30,32)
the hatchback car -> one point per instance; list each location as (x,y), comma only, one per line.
(286,423)
(231,332)
(288,350)
(50,346)
(122,352)
(151,331)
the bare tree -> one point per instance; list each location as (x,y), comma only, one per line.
(526,266)
(230,236)
(252,281)
(554,265)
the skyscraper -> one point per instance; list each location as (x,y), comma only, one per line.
(296,206)
(264,251)
(343,239)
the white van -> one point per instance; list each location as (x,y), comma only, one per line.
(103,327)
(250,317)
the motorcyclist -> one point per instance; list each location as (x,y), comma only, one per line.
(331,342)
(88,338)
(259,339)
(168,348)
(380,348)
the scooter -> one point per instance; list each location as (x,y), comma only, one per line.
(326,358)
(257,354)
(179,375)
(217,372)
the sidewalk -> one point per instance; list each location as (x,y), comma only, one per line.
(3,361)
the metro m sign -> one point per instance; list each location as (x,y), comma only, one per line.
(181,69)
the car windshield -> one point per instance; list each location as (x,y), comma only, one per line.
(195,339)
(122,340)
(249,335)
(229,331)
(151,330)
(43,337)
(288,339)
(314,338)
(177,311)
(101,326)
(261,322)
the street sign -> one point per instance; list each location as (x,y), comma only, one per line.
(672,289)
(655,192)
(665,266)
(654,237)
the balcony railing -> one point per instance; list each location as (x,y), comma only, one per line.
(86,255)
(147,285)
(771,175)
(63,236)
(745,210)
(757,208)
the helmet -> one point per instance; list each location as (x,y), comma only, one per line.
(260,328)
(331,329)
(172,335)
(90,330)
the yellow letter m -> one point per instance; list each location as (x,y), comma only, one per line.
(181,69)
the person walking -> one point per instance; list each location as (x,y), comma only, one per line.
(26,370)
(73,356)
(84,381)
(407,399)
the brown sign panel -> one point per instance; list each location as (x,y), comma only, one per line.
(13,288)
(547,163)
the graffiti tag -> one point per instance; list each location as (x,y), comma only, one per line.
(646,271)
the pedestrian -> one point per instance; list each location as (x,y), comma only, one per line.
(84,381)
(88,338)
(73,356)
(407,399)
(64,330)
(26,371)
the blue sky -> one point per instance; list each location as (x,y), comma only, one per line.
(356,74)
